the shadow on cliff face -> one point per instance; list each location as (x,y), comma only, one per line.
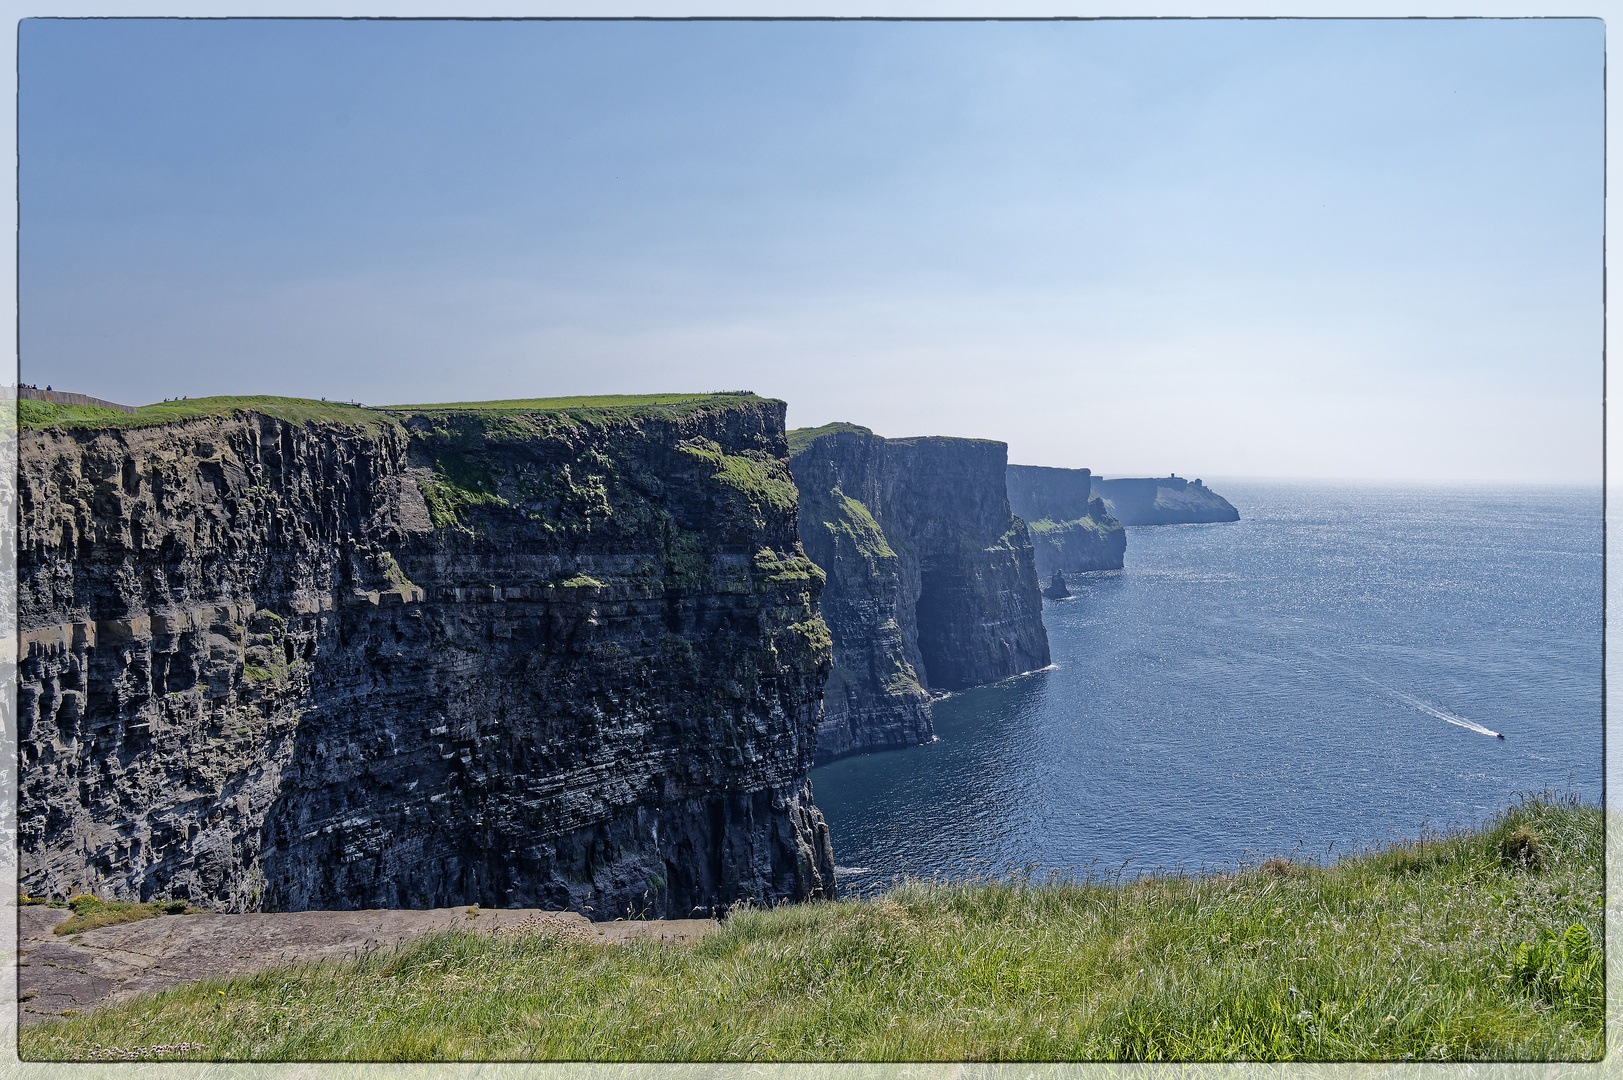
(535,764)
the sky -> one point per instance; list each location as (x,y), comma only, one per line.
(1314,248)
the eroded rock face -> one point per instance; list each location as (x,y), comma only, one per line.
(932,584)
(1165,500)
(1071,531)
(874,698)
(523,660)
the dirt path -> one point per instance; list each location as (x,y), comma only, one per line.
(98,967)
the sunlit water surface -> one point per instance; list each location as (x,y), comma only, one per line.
(1315,677)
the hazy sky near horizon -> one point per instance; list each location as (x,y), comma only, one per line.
(1217,247)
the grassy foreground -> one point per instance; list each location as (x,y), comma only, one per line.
(1471,945)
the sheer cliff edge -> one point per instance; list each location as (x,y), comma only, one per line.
(282,654)
(931,580)
(1071,531)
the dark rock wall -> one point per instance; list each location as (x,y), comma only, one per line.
(978,607)
(931,580)
(524,660)
(1039,492)
(1071,532)
(873,699)
(1169,500)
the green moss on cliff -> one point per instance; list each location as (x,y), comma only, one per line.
(456,487)
(775,569)
(687,564)
(763,481)
(814,634)
(853,522)
(579,581)
(1043,526)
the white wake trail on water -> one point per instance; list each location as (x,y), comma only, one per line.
(1440,714)
(1408,699)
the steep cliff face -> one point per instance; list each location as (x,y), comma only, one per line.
(1168,500)
(1071,531)
(931,580)
(977,602)
(873,699)
(518,656)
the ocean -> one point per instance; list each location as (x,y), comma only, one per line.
(1325,674)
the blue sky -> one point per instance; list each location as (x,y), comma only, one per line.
(1272,248)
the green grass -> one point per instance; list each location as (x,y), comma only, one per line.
(40,414)
(1456,947)
(89,912)
(666,404)
(801,438)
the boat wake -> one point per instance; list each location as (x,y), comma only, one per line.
(1431,710)
(1408,699)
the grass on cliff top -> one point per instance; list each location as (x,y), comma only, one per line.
(800,438)
(623,404)
(1472,945)
(43,414)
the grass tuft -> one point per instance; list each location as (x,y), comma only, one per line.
(89,912)
(1523,848)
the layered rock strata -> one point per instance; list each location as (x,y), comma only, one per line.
(526,657)
(931,582)
(1166,500)
(1071,531)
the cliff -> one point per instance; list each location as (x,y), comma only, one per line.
(1169,500)
(874,698)
(288,655)
(1071,531)
(931,580)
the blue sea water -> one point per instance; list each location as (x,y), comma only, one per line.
(1300,681)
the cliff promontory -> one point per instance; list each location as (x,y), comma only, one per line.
(1071,531)
(284,655)
(931,579)
(1166,500)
